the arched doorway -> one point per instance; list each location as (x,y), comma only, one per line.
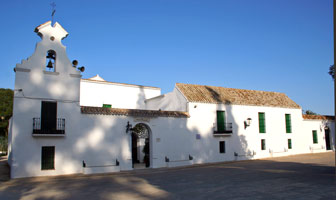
(140,146)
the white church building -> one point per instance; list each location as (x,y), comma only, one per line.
(63,124)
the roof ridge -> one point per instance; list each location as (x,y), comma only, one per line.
(234,96)
(104,81)
(231,88)
(318,117)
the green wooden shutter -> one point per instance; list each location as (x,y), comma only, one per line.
(289,143)
(315,141)
(220,121)
(262,125)
(48,158)
(288,123)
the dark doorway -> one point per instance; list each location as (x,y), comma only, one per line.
(48,116)
(327,138)
(140,146)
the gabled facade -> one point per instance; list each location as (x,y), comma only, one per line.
(46,98)
(63,124)
(97,92)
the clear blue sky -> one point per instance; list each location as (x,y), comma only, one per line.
(271,45)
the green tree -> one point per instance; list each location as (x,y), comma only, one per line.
(6,109)
(309,112)
(332,71)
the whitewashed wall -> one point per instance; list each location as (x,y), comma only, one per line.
(93,93)
(172,101)
(33,84)
(100,139)
(242,141)
(178,140)
(26,151)
(309,125)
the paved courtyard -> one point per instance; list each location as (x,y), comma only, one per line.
(309,176)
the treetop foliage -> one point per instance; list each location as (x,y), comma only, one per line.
(309,112)
(332,71)
(6,108)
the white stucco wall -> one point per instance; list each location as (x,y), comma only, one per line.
(35,81)
(100,139)
(242,141)
(26,155)
(172,101)
(275,136)
(319,125)
(34,84)
(93,93)
(177,138)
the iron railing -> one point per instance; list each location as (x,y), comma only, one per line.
(227,129)
(38,129)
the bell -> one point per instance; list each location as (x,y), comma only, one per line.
(50,65)
(50,55)
(74,63)
(82,68)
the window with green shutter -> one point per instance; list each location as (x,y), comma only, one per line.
(288,123)
(263,144)
(220,121)
(107,105)
(289,143)
(262,125)
(315,141)
(48,158)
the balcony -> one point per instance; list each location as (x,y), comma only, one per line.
(225,131)
(48,129)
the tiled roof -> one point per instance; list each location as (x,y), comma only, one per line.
(318,117)
(132,112)
(212,94)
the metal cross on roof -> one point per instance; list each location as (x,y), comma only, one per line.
(53,5)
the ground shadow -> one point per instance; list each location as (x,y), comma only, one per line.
(4,169)
(257,179)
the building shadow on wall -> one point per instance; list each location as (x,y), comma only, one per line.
(140,104)
(237,143)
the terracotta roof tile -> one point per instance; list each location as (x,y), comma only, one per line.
(318,117)
(132,112)
(212,94)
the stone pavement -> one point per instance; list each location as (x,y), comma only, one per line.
(309,176)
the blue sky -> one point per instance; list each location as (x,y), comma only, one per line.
(270,45)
